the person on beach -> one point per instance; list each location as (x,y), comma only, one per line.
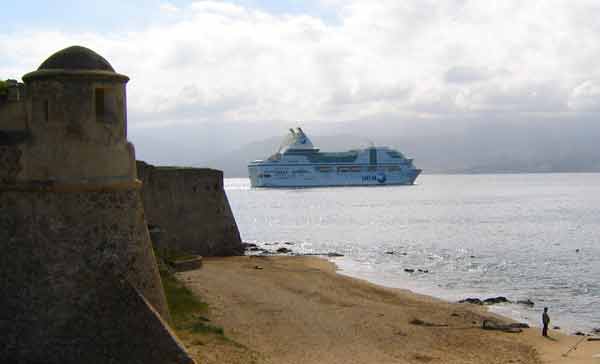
(545,322)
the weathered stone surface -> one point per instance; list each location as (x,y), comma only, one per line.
(76,58)
(10,163)
(59,248)
(190,207)
(78,278)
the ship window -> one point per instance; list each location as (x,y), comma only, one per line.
(372,156)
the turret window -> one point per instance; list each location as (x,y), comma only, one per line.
(106,105)
(46,111)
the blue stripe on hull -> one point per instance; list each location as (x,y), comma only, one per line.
(335,179)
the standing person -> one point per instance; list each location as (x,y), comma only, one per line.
(545,321)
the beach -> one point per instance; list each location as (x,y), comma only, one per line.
(299,310)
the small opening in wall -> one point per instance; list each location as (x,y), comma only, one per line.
(106,105)
(46,111)
(100,104)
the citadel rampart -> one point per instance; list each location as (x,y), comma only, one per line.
(78,276)
(188,211)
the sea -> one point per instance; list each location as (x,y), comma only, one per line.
(522,236)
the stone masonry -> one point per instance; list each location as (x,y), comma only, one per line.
(78,275)
(188,211)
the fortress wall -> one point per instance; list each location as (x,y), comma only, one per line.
(68,260)
(190,207)
(13,115)
(79,281)
(10,163)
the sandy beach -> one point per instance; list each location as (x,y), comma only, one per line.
(299,310)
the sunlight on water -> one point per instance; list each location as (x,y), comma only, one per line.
(521,236)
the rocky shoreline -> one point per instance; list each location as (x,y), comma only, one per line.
(277,305)
(286,248)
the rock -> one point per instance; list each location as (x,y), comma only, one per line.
(596,330)
(519,325)
(576,250)
(455,314)
(390,253)
(555,327)
(258,267)
(283,250)
(254,249)
(526,302)
(579,333)
(495,300)
(472,300)
(247,246)
(408,270)
(494,325)
(422,270)
(184,265)
(420,322)
(334,254)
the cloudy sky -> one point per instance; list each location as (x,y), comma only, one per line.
(326,61)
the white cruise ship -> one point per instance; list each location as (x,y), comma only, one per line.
(299,164)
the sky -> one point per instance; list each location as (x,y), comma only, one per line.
(326,61)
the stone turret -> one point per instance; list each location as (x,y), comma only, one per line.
(76,97)
(78,276)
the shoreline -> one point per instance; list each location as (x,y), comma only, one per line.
(300,309)
(450,296)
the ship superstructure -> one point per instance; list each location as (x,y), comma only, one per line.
(298,163)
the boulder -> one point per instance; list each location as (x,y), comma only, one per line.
(495,300)
(526,302)
(472,300)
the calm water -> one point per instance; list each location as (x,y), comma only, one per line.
(521,236)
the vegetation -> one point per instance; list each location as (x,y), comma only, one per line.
(186,309)
(170,255)
(190,320)
(3,88)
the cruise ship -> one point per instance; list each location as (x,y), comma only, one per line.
(298,163)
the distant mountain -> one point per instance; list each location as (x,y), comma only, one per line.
(515,148)
(438,146)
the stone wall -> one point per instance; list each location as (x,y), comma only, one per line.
(79,281)
(188,210)
(13,115)
(72,264)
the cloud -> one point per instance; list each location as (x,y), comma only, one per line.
(458,74)
(219,61)
(169,8)
(585,97)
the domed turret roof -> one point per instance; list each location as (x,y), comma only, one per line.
(76,58)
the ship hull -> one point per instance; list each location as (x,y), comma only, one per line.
(310,176)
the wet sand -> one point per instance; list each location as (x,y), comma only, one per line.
(298,310)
